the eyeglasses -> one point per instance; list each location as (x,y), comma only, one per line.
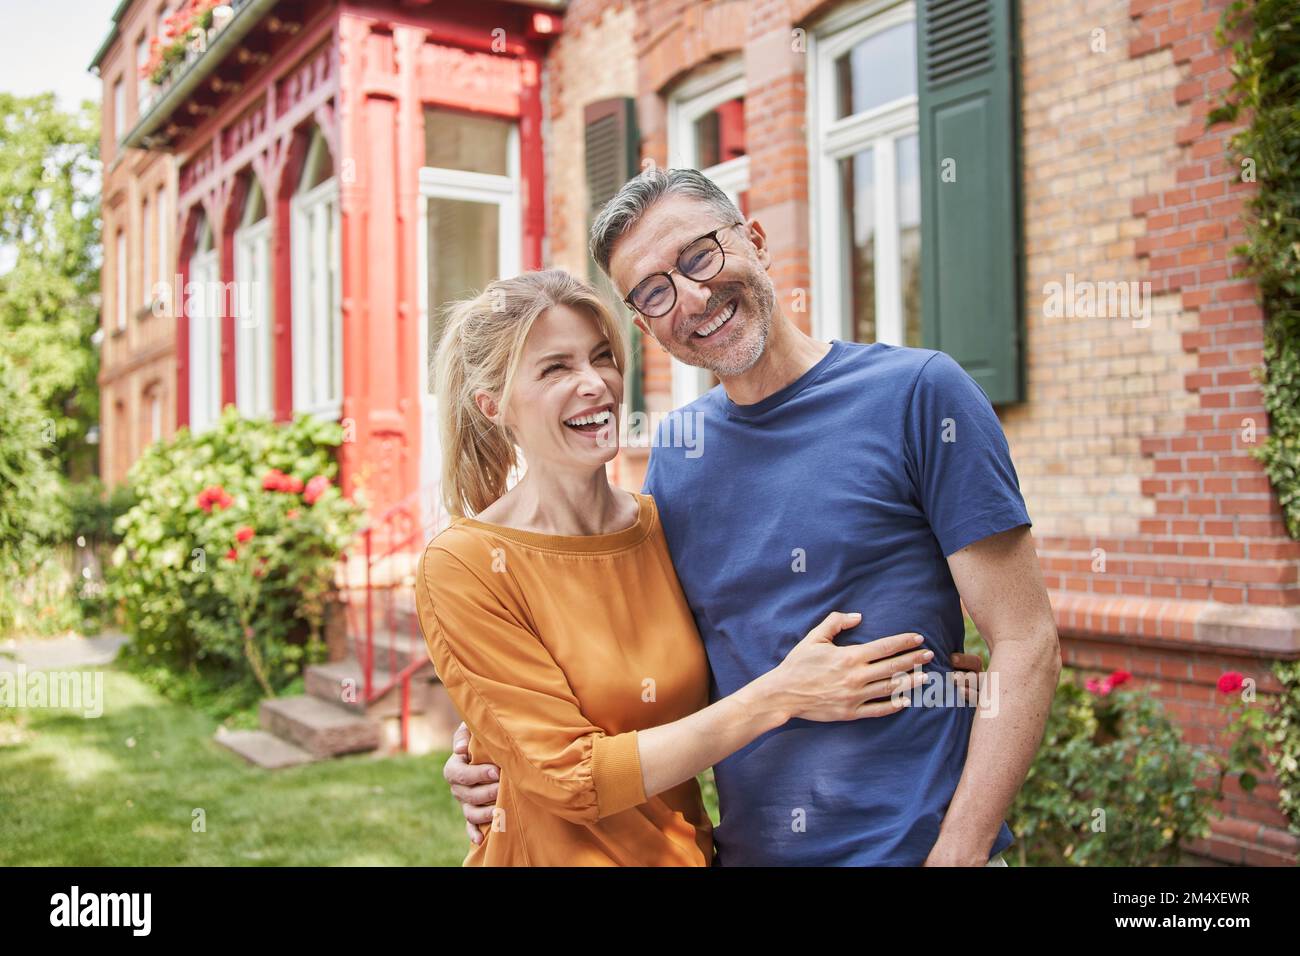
(701,259)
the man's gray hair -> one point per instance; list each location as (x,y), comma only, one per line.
(641,192)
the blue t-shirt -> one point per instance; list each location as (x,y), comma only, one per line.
(843,491)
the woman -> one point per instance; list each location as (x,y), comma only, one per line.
(555,619)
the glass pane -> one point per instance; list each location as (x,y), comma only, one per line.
(858,261)
(476,144)
(464,256)
(720,134)
(909,236)
(878,70)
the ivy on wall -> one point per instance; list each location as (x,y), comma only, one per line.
(1264,37)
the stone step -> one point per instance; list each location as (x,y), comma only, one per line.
(322,729)
(263,749)
(341,683)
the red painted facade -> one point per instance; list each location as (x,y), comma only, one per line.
(363,73)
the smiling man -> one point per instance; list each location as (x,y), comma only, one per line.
(837,475)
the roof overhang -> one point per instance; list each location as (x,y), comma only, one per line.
(194,73)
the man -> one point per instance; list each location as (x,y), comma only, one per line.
(831,477)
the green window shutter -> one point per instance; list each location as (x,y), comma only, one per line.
(970,226)
(612,151)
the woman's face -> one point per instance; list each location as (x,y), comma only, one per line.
(563,409)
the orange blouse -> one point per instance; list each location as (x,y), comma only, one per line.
(556,650)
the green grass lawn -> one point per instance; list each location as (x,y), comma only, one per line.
(121,790)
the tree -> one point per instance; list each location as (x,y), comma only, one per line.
(49,242)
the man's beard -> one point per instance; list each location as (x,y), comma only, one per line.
(756,298)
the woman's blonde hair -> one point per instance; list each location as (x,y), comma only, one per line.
(482,341)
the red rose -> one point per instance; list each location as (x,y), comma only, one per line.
(293,484)
(1230,682)
(243,534)
(214,495)
(315,488)
(232,554)
(1119,677)
(273,480)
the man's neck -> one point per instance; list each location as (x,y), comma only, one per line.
(789,354)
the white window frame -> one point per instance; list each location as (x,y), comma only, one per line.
(690,101)
(254,318)
(458,184)
(119,109)
(317,342)
(829,141)
(205,333)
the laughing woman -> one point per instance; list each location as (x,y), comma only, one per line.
(554,617)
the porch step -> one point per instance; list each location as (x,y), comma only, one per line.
(342,684)
(322,729)
(405,646)
(263,749)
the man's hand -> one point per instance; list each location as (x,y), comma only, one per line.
(474,785)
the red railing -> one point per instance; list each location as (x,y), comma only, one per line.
(379,594)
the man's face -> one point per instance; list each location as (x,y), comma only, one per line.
(653,244)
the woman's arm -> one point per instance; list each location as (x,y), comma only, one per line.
(518,702)
(818,680)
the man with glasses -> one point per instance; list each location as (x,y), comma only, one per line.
(838,477)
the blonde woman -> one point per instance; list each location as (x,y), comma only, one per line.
(554,617)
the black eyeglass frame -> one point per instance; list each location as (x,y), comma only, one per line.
(722,263)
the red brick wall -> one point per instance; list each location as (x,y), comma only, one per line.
(1130,444)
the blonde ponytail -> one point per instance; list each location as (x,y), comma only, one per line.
(482,341)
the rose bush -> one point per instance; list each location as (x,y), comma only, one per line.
(225,566)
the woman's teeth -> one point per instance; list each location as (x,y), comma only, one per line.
(705,331)
(594,420)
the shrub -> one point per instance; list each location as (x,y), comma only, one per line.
(1110,747)
(1113,783)
(33,517)
(1283,727)
(228,556)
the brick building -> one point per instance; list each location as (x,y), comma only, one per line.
(1047,162)
(1160,538)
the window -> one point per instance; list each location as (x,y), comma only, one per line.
(119,110)
(866,188)
(151,413)
(160,207)
(204,296)
(254,320)
(317,312)
(146,230)
(142,84)
(155,416)
(119,293)
(706,131)
(123,448)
